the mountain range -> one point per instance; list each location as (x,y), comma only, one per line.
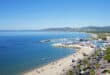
(82,29)
(68,29)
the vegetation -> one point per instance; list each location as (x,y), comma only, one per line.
(107,57)
(92,67)
(102,35)
(107,54)
(106,71)
(78,66)
(105,29)
(97,52)
(92,72)
(85,62)
(97,65)
(70,72)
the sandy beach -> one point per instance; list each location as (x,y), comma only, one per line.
(60,67)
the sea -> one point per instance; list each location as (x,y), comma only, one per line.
(22,51)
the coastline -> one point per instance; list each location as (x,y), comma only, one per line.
(46,64)
(61,66)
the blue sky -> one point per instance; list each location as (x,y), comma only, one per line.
(37,14)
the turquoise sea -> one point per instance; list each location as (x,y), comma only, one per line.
(23,51)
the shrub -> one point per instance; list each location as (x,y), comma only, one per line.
(107,54)
(92,72)
(107,57)
(97,65)
(70,72)
(106,71)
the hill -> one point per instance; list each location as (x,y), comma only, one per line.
(82,29)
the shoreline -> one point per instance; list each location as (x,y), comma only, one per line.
(43,65)
(62,65)
(39,67)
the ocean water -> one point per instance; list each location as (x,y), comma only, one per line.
(23,51)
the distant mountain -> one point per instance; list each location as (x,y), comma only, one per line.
(67,29)
(58,29)
(96,29)
(82,29)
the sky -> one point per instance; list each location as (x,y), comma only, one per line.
(39,14)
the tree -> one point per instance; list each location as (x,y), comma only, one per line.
(107,57)
(97,65)
(70,72)
(92,72)
(85,62)
(107,54)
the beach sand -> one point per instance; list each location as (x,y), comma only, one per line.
(60,67)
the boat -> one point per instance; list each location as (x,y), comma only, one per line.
(43,41)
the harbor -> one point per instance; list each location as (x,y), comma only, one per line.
(84,49)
